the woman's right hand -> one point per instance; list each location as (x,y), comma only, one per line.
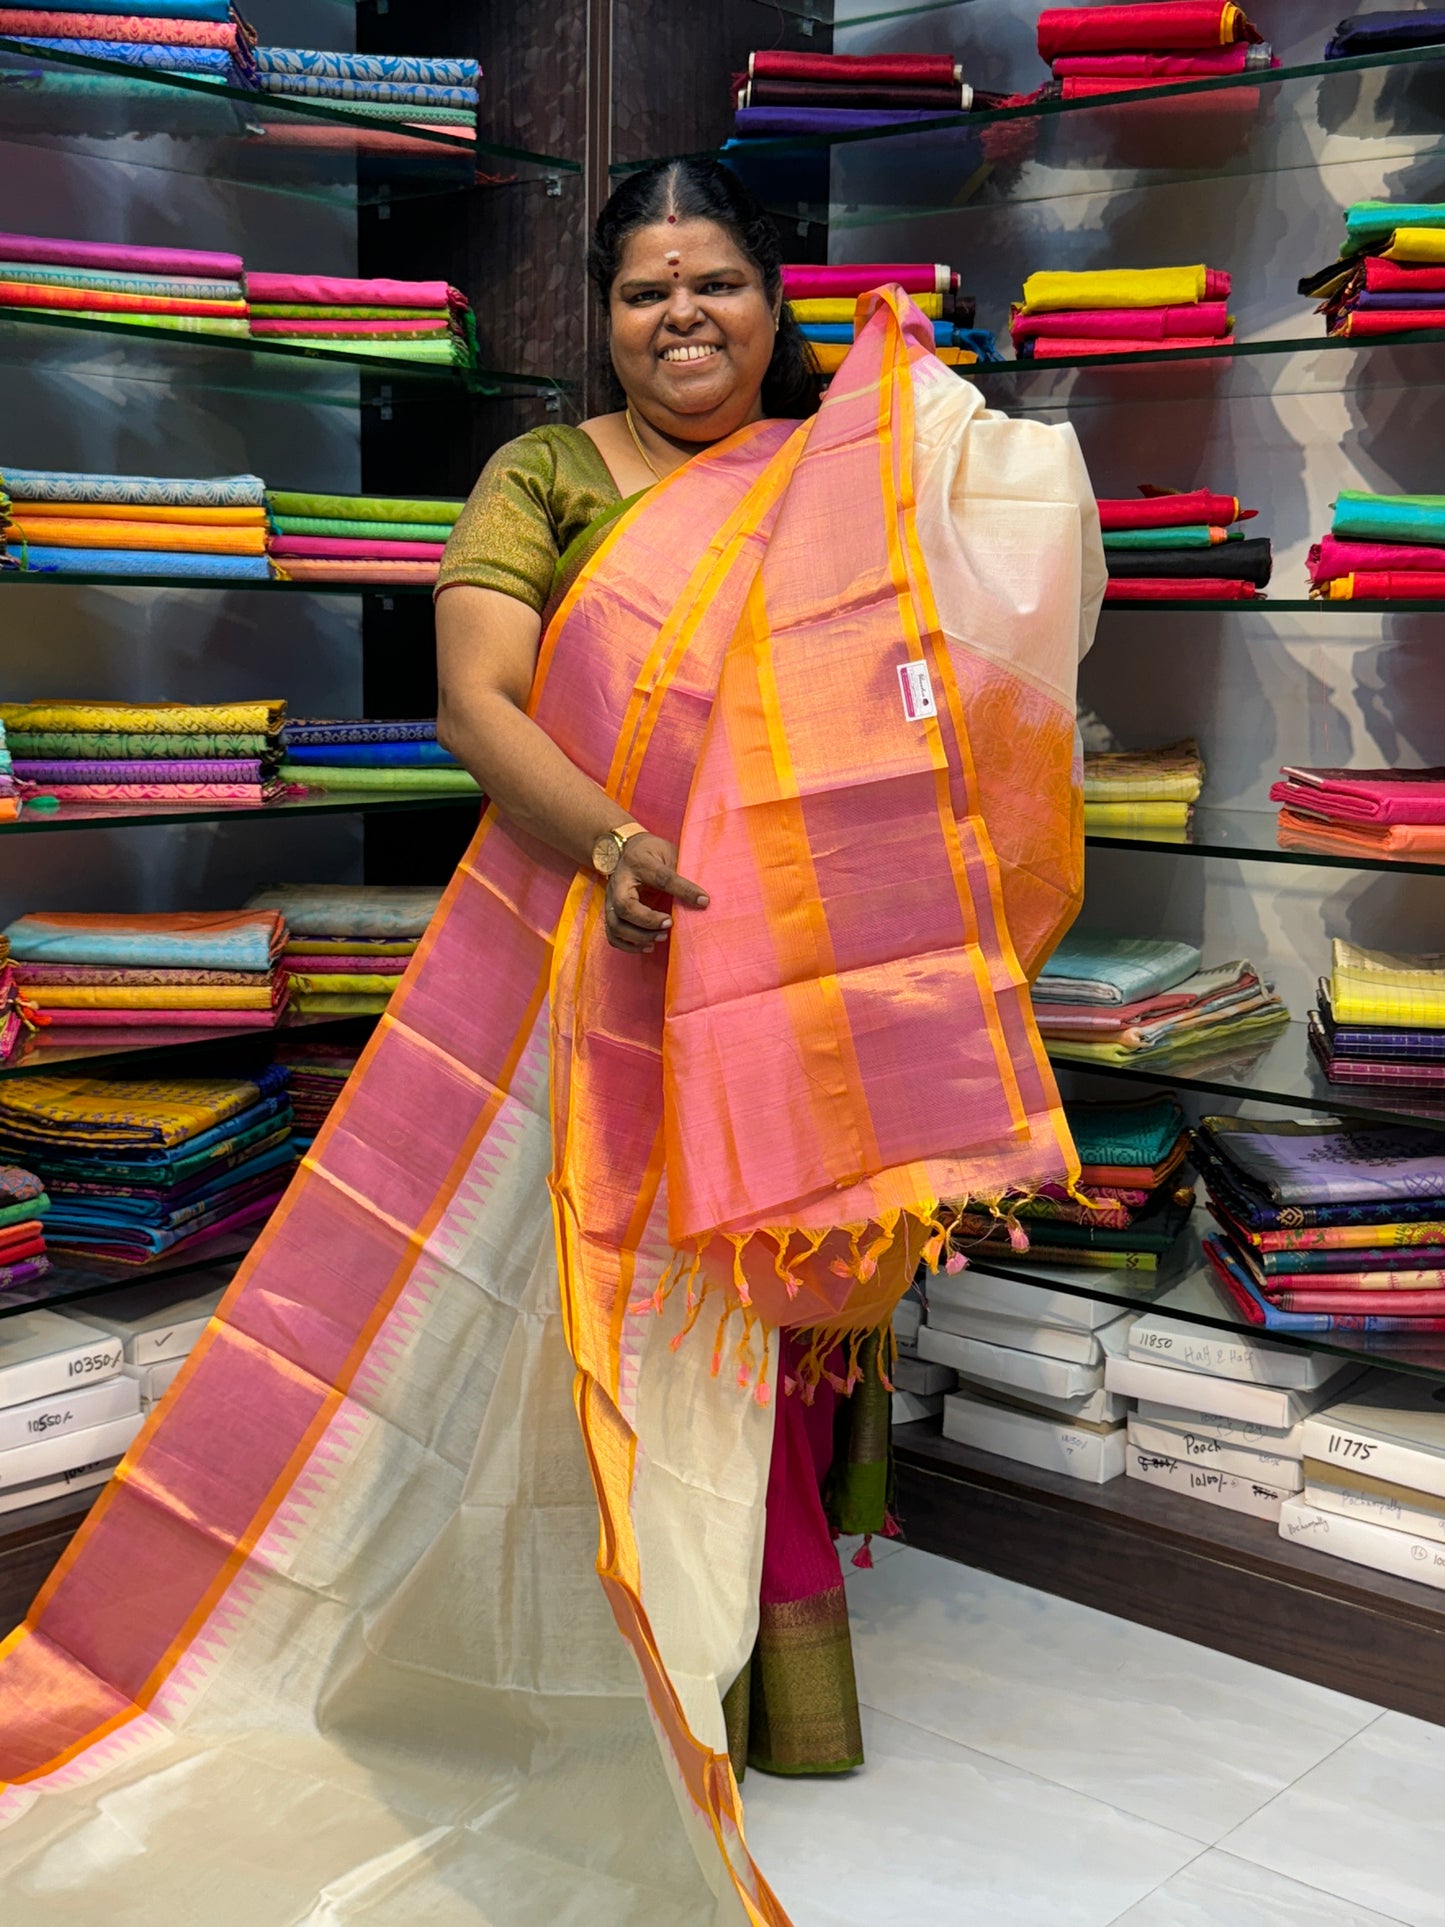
(647,869)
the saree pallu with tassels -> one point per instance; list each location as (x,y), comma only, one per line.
(330,1645)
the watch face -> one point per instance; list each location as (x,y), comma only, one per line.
(606,854)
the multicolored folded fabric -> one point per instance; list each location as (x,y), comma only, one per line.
(1386,585)
(305,61)
(1101,967)
(1174,772)
(248,939)
(831,283)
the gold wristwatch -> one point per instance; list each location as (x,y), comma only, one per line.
(607,850)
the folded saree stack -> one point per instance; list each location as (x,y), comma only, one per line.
(1134,1195)
(136,1168)
(18,1022)
(349,944)
(1325,1225)
(23,1206)
(150,977)
(410,90)
(1111,50)
(140,753)
(10,792)
(358,538)
(427,321)
(186,290)
(1381,548)
(824,300)
(135,525)
(1387,32)
(1163,546)
(200,39)
(1142,789)
(796,93)
(1365,812)
(1381,1019)
(316,1073)
(1111,999)
(1390,278)
(1120,311)
(394,756)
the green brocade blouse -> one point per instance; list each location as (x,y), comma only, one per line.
(533,516)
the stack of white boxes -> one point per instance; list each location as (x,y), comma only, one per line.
(1374,1478)
(1031,1363)
(1221,1417)
(67,1410)
(918,1386)
(157,1329)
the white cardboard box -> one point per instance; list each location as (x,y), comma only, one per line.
(47,1458)
(65,1412)
(154,1381)
(15,1498)
(1003,1365)
(1228,1397)
(1363,1544)
(153,1322)
(1390,1425)
(921,1375)
(1052,1445)
(1198,1348)
(42,1353)
(1286,1442)
(1200,1482)
(908,1406)
(1389,1508)
(1216,1455)
(1024,1334)
(982,1291)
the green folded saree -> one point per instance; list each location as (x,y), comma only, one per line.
(365,508)
(397,779)
(359,531)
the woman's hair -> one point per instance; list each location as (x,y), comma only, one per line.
(704,190)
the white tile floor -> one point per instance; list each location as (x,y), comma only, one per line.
(1033,1763)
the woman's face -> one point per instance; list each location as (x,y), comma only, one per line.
(692,330)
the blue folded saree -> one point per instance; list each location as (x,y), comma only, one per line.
(217,62)
(1370,221)
(144,562)
(1386,33)
(1390,518)
(371,755)
(419,68)
(1098,967)
(161,9)
(147,491)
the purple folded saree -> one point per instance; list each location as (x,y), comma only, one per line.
(1333,556)
(141,771)
(120,256)
(758,123)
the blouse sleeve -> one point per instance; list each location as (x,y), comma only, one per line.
(505,538)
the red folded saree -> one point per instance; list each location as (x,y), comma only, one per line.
(551,1163)
(1200,319)
(1397,277)
(1386,585)
(1380,796)
(1335,555)
(1195,65)
(22,23)
(1164,509)
(1298,831)
(887,69)
(1387,321)
(1153,26)
(1068,347)
(1178,588)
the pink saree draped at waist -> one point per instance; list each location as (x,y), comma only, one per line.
(1171,511)
(303,568)
(914,277)
(187,263)
(1386,321)
(1299,831)
(426,327)
(1199,63)
(1387,585)
(1201,319)
(28,23)
(1151,26)
(1333,556)
(109,1017)
(24,294)
(1366,796)
(1059,348)
(345,548)
(253,793)
(1180,588)
(309,290)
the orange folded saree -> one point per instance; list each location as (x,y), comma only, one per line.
(332,1637)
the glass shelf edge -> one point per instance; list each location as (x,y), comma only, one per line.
(1198,842)
(213,585)
(323,803)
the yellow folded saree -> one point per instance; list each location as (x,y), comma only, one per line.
(1377,987)
(167,719)
(365,1606)
(1056,291)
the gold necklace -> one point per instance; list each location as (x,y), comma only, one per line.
(637,442)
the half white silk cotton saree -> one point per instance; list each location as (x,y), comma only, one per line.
(341,1641)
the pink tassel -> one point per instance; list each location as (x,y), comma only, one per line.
(956,1262)
(1018,1238)
(863,1557)
(891,1527)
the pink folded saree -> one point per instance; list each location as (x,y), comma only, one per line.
(308,290)
(1058,348)
(190,263)
(148,1017)
(22,23)
(1334,556)
(818,283)
(516,1327)
(1382,796)
(1178,588)
(250,793)
(1201,319)
(357,548)
(341,966)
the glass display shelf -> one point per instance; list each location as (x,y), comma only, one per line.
(1248,836)
(246,365)
(212,585)
(211,1263)
(1171,92)
(1277,1069)
(1298,605)
(221,1051)
(316,149)
(1184,1288)
(1233,351)
(123,816)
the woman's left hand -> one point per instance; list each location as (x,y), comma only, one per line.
(647,868)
